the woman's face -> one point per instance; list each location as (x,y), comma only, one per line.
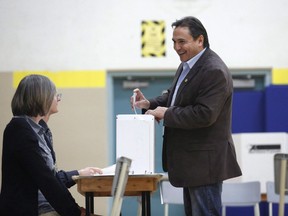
(54,105)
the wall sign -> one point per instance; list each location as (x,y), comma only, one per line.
(153,39)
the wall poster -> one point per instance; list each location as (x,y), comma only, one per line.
(153,39)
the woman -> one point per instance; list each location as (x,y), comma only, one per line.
(44,207)
(24,170)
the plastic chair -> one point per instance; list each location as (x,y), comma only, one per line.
(241,194)
(272,197)
(170,194)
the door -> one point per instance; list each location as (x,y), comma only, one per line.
(151,86)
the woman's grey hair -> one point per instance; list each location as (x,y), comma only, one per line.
(34,96)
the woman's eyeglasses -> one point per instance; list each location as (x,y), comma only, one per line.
(58,96)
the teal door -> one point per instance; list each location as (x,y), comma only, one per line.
(122,90)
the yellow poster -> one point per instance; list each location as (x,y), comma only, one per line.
(153,39)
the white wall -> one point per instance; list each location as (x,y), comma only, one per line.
(94,34)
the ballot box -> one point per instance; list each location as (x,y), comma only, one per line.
(255,155)
(135,139)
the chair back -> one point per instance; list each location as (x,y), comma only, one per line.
(169,194)
(272,197)
(241,194)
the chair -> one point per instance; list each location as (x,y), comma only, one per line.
(241,194)
(169,194)
(272,197)
(119,184)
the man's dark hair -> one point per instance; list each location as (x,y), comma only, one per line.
(195,27)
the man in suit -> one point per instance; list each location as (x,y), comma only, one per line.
(198,150)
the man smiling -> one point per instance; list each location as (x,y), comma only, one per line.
(198,150)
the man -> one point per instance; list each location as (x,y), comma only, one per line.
(198,150)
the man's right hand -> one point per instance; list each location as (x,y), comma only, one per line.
(140,101)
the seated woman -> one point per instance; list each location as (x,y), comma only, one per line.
(24,170)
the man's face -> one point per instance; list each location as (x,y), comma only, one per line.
(185,45)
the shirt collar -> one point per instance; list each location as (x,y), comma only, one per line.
(193,60)
(36,127)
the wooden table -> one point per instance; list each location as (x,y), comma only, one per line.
(101,186)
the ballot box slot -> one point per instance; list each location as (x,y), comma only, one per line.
(255,148)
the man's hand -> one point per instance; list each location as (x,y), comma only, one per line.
(158,113)
(140,101)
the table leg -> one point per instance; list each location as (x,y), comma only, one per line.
(89,202)
(146,207)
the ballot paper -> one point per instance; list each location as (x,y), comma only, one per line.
(110,170)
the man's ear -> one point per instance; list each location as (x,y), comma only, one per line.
(200,40)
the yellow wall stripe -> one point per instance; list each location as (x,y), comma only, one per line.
(68,79)
(280,76)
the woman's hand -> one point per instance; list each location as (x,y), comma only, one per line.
(88,171)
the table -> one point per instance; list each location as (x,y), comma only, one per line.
(101,186)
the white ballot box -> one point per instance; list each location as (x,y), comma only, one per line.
(135,139)
(255,155)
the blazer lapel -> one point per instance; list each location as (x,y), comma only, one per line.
(177,74)
(193,72)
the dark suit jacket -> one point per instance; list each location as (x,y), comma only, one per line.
(197,145)
(24,172)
